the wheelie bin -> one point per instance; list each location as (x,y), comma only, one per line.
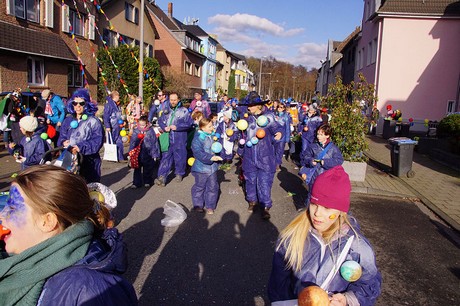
(402,151)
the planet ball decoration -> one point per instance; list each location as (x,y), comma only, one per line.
(74,124)
(313,296)
(242,142)
(215,138)
(246,115)
(248,144)
(229,132)
(216,147)
(254,140)
(260,133)
(122,133)
(262,121)
(44,136)
(351,271)
(124,139)
(217,135)
(84,117)
(120,121)
(191,161)
(242,124)
(140,136)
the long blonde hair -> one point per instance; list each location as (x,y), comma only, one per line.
(295,235)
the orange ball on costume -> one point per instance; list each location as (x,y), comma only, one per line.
(260,133)
(313,296)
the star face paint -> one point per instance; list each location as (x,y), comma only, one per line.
(15,209)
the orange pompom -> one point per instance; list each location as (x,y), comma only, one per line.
(260,133)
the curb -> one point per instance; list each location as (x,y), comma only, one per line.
(379,192)
(430,205)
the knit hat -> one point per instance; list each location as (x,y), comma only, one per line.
(332,189)
(28,123)
(228,113)
(45,94)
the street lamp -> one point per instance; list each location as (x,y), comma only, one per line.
(270,88)
(260,74)
(141,53)
(293,83)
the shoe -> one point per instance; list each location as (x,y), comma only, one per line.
(179,178)
(265,214)
(198,209)
(160,181)
(133,187)
(251,206)
(209,211)
(147,185)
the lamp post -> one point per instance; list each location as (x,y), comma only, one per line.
(270,88)
(141,52)
(260,74)
(293,83)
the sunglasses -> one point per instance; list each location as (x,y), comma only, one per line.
(78,103)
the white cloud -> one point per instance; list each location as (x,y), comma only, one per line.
(309,54)
(252,23)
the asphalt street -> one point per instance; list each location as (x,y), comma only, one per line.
(225,258)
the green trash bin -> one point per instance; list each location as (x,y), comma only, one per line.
(402,152)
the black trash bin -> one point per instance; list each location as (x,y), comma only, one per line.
(402,151)
(402,129)
(389,127)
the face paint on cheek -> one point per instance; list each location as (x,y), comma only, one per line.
(332,217)
(15,208)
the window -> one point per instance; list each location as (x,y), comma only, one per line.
(226,75)
(110,38)
(197,71)
(77,21)
(211,69)
(35,71)
(131,13)
(74,76)
(374,51)
(24,9)
(451,106)
(369,53)
(188,68)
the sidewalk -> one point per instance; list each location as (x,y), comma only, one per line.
(435,185)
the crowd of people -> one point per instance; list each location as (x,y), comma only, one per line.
(254,133)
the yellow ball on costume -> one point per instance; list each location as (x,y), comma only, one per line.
(191,161)
(229,132)
(122,133)
(242,124)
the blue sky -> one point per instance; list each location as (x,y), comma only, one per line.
(295,31)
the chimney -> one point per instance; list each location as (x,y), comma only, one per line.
(170,10)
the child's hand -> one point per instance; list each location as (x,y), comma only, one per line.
(216,158)
(304,177)
(338,299)
(314,163)
(12,145)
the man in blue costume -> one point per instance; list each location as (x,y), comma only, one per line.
(113,121)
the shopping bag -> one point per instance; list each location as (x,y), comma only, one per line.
(133,156)
(164,141)
(110,149)
(3,122)
(175,214)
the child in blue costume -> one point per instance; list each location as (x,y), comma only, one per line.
(228,135)
(332,156)
(84,133)
(206,188)
(310,249)
(32,147)
(149,153)
(308,123)
(258,153)
(285,120)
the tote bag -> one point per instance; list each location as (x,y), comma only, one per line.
(110,149)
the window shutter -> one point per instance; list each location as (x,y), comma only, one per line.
(49,13)
(91,33)
(65,18)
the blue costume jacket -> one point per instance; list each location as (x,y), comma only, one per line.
(111,117)
(157,110)
(261,155)
(32,149)
(89,137)
(318,261)
(150,148)
(332,158)
(308,137)
(201,147)
(285,120)
(58,110)
(95,279)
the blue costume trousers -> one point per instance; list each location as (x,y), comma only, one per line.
(205,191)
(90,168)
(279,152)
(176,155)
(144,174)
(259,187)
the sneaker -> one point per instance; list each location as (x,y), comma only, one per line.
(209,211)
(160,181)
(198,209)
(251,206)
(265,214)
(179,178)
(147,185)
(133,187)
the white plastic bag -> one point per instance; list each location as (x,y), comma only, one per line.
(175,214)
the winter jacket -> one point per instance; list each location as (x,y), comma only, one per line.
(58,110)
(201,147)
(183,122)
(32,148)
(150,148)
(95,279)
(261,155)
(318,261)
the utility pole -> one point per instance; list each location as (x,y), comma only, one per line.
(141,53)
(293,83)
(260,75)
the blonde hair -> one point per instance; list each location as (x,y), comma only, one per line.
(53,189)
(295,235)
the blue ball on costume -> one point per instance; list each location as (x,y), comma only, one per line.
(248,144)
(351,271)
(74,124)
(216,147)
(217,135)
(254,140)
(262,121)
(120,121)
(84,117)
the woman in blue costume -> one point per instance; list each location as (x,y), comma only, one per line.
(84,134)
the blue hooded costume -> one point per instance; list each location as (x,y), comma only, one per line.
(150,150)
(259,159)
(157,110)
(32,148)
(177,151)
(112,119)
(87,134)
(312,123)
(285,120)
